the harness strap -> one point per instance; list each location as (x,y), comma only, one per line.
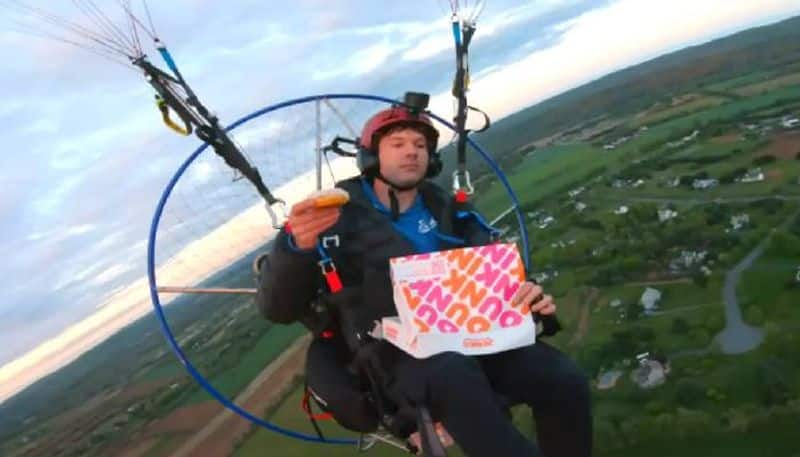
(305,403)
(328,269)
(493,232)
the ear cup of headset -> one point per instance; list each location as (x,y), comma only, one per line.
(367,161)
(434,165)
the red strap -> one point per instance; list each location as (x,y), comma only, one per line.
(461,196)
(306,405)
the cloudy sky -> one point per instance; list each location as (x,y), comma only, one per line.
(86,157)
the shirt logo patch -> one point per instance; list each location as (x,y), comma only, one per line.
(425,227)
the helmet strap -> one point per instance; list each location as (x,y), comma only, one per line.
(393,189)
(395,206)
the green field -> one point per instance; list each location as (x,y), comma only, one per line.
(545,172)
(267,348)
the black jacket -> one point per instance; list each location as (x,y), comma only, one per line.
(292,287)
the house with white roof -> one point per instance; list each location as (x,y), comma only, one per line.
(705,183)
(739,220)
(666,214)
(752,175)
(575,192)
(649,300)
(790,122)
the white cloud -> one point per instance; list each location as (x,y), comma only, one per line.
(51,201)
(109,274)
(428,47)
(362,61)
(79,229)
(263,133)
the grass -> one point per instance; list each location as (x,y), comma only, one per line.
(547,171)
(766,284)
(290,416)
(769,85)
(750,78)
(697,104)
(169,368)
(269,346)
(776,439)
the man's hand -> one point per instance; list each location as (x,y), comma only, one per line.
(531,294)
(307,221)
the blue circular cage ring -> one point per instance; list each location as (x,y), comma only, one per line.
(151,251)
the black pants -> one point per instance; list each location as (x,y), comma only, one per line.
(461,392)
(339,391)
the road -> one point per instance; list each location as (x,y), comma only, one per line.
(738,337)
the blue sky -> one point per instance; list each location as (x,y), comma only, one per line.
(86,156)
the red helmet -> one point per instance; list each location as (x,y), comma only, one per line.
(397,115)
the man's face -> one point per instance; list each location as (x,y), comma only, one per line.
(403,156)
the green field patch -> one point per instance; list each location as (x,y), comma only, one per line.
(769,85)
(750,78)
(769,289)
(232,381)
(697,103)
(169,368)
(542,173)
(289,415)
(727,112)
(774,439)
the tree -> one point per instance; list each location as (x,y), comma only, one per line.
(690,392)
(784,244)
(714,322)
(680,326)
(774,381)
(754,315)
(771,205)
(764,160)
(699,278)
(692,422)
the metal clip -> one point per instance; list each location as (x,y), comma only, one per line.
(274,217)
(468,183)
(326,262)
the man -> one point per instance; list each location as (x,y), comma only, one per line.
(339,257)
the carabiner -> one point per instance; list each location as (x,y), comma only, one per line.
(468,183)
(274,217)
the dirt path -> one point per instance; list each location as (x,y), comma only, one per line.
(219,436)
(660,282)
(583,321)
